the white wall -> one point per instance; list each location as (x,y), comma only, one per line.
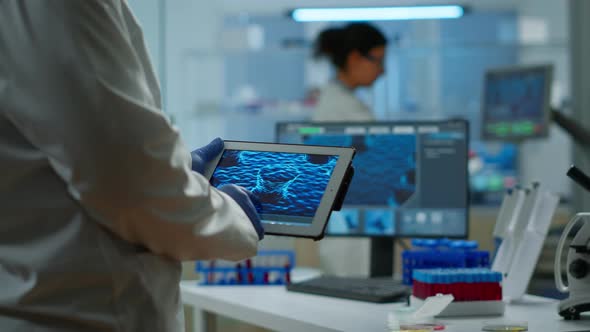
(544,34)
(147,13)
(194,72)
(183,38)
(580,38)
(151,16)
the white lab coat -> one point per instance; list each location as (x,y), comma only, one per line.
(338,103)
(98,203)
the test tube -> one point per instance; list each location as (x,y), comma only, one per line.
(287,265)
(211,273)
(239,278)
(249,271)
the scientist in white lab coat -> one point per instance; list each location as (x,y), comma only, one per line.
(98,201)
(357,52)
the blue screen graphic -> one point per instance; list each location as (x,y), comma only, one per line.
(385,164)
(344,222)
(289,186)
(515,103)
(379,222)
(516,96)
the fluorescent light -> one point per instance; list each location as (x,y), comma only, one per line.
(377,13)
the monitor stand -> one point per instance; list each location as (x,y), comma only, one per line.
(381,256)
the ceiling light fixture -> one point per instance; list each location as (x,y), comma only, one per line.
(377,13)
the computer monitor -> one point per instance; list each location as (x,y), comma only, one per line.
(410,179)
(493,168)
(516,103)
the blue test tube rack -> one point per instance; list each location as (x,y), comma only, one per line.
(442,253)
(268,267)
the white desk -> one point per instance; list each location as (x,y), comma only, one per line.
(273,307)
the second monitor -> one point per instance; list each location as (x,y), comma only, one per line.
(410,177)
(516,102)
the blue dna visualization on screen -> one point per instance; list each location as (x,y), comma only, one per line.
(388,163)
(289,186)
(410,177)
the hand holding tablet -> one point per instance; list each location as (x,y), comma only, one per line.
(298,186)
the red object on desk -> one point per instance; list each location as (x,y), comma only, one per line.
(481,291)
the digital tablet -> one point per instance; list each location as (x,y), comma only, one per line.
(298,186)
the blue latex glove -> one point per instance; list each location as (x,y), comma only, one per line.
(206,154)
(248,202)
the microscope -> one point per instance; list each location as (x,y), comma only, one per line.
(578,259)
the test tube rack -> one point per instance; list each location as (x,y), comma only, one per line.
(443,254)
(268,267)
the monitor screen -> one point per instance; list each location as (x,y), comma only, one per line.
(410,177)
(516,103)
(493,168)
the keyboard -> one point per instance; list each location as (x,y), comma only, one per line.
(378,290)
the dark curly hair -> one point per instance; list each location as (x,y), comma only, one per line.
(337,43)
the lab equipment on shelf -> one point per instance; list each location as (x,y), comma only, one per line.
(268,267)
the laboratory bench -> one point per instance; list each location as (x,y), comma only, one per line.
(276,309)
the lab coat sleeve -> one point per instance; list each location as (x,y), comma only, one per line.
(106,137)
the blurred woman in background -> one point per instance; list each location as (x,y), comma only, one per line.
(357,51)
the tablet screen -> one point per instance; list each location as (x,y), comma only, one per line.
(288,185)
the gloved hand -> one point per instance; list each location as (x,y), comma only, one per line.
(248,202)
(206,154)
